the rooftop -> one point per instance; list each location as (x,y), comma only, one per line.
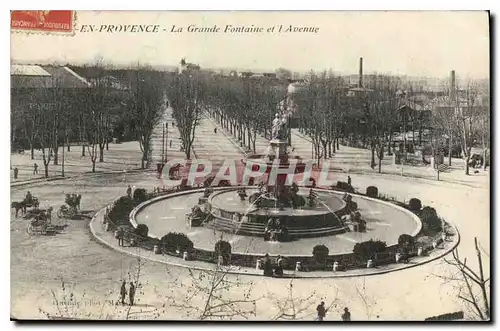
(27,70)
(34,76)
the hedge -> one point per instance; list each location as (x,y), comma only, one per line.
(173,241)
(142,230)
(430,219)
(372,191)
(415,205)
(320,253)
(366,250)
(140,195)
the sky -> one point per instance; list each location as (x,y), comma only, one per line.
(407,43)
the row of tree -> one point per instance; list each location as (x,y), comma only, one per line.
(50,117)
(328,111)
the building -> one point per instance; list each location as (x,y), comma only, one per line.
(187,67)
(269,75)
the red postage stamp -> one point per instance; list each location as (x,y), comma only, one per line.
(42,20)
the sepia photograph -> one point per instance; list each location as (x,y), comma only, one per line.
(321,166)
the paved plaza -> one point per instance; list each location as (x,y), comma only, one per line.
(93,269)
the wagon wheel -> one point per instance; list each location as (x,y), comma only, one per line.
(60,213)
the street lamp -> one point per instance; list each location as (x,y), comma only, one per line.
(164,146)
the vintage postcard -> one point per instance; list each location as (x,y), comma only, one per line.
(271,166)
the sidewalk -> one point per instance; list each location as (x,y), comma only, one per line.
(261,143)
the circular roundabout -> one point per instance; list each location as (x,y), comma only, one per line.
(236,221)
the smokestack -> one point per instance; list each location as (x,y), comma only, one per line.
(360,72)
(453,88)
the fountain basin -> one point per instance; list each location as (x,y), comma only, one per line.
(231,214)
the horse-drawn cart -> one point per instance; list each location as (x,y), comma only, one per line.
(40,226)
(66,212)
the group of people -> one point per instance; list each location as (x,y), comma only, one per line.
(131,292)
(268,266)
(322,310)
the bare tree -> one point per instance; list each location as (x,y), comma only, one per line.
(187,93)
(213,295)
(473,284)
(146,104)
(25,116)
(296,308)
(467,117)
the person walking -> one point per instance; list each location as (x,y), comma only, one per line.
(215,130)
(129,191)
(16,172)
(321,311)
(35,169)
(268,268)
(349,181)
(346,316)
(170,143)
(131,293)
(278,271)
(123,291)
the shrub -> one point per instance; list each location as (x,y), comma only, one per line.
(320,253)
(414,205)
(406,241)
(366,250)
(173,241)
(372,191)
(140,195)
(223,248)
(343,186)
(142,230)
(120,211)
(430,219)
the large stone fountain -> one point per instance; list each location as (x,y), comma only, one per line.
(259,209)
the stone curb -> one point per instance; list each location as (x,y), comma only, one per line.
(299,275)
(315,274)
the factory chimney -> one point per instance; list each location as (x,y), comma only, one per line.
(360,72)
(453,88)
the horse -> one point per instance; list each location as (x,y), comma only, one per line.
(19,206)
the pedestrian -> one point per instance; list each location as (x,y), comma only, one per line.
(35,169)
(349,180)
(346,316)
(129,191)
(278,271)
(268,268)
(321,311)
(16,172)
(131,293)
(170,143)
(123,291)
(215,130)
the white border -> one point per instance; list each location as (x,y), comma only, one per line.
(197,5)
